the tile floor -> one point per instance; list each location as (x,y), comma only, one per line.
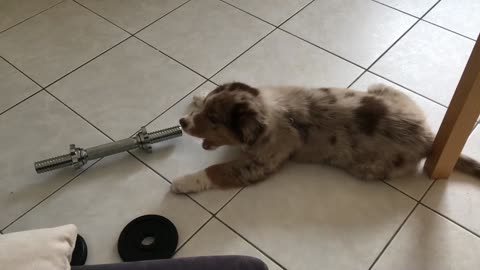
(90,71)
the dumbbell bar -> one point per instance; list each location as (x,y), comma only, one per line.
(79,156)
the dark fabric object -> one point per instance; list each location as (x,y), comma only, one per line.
(194,263)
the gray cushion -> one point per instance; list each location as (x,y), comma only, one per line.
(194,263)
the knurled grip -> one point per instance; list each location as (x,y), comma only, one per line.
(165,134)
(53,163)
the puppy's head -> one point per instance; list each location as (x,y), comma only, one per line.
(232,114)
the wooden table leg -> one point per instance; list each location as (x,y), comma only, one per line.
(458,122)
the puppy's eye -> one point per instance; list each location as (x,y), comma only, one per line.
(212,119)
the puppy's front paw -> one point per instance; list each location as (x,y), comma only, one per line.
(191,183)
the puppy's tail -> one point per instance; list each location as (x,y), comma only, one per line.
(464,164)
(468,166)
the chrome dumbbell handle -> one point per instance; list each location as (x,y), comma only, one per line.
(79,156)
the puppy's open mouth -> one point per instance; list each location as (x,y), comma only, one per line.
(208,145)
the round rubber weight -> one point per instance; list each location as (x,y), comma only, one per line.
(148,237)
(80,252)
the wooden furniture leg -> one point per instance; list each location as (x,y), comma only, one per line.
(458,122)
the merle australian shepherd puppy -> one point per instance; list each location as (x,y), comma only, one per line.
(373,135)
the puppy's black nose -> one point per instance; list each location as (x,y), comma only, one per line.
(183,122)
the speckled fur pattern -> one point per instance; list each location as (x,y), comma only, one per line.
(374,135)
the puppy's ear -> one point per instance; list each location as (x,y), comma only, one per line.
(247,123)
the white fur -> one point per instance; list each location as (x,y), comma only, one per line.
(191,183)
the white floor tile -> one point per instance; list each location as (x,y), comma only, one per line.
(414,7)
(205,34)
(14,86)
(108,196)
(472,147)
(37,129)
(57,41)
(272,11)
(217,239)
(460,16)
(126,87)
(358,30)
(457,198)
(429,241)
(132,15)
(15,11)
(431,68)
(282,59)
(314,217)
(185,155)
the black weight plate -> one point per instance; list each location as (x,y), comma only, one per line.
(133,244)
(80,252)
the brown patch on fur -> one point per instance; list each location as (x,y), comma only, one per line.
(237,86)
(388,134)
(326,90)
(302,127)
(316,110)
(331,99)
(221,176)
(369,114)
(333,139)
(399,161)
(349,94)
(219,89)
(244,122)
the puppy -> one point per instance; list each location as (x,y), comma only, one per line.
(372,135)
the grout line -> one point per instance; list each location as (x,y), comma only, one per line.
(231,199)
(3,31)
(398,229)
(50,195)
(397,189)
(401,36)
(407,88)
(84,64)
(143,28)
(328,51)
(358,77)
(21,101)
(85,7)
(79,115)
(174,104)
(194,234)
(449,30)
(423,20)
(153,47)
(258,41)
(393,236)
(294,14)
(136,32)
(449,219)
(21,71)
(241,54)
(397,9)
(232,5)
(60,78)
(169,182)
(249,242)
